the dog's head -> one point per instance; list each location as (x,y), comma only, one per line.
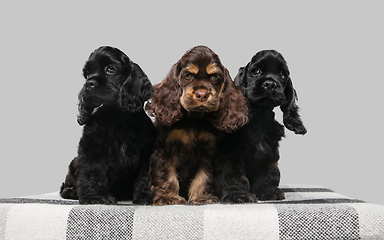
(112,80)
(198,82)
(265,80)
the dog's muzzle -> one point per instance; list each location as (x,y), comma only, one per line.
(269,85)
(91,84)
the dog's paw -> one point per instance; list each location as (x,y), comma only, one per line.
(275,194)
(142,201)
(68,192)
(168,200)
(207,198)
(97,200)
(239,197)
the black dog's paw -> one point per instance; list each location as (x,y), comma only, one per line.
(142,200)
(98,200)
(267,194)
(68,192)
(239,197)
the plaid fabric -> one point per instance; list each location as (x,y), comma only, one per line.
(308,212)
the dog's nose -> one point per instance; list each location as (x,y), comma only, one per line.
(202,95)
(269,85)
(91,84)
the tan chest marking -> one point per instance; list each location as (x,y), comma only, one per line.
(181,135)
(206,137)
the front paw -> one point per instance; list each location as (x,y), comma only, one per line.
(239,197)
(208,198)
(142,198)
(275,194)
(168,200)
(68,192)
(97,200)
(142,201)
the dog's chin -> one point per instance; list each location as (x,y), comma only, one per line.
(193,105)
(268,99)
(200,109)
(91,104)
(95,100)
(203,108)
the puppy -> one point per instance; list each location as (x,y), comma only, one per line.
(195,104)
(113,154)
(246,166)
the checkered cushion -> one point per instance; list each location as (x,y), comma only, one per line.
(308,212)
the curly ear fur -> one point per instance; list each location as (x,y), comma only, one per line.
(84,114)
(291,117)
(165,102)
(240,79)
(233,111)
(136,89)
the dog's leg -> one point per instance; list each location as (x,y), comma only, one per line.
(266,183)
(93,185)
(230,182)
(68,188)
(141,192)
(164,180)
(200,187)
(167,193)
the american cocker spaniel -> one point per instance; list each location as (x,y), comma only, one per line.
(193,106)
(246,167)
(113,153)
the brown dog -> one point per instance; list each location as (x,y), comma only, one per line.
(195,104)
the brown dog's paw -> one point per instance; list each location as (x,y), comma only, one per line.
(169,200)
(208,198)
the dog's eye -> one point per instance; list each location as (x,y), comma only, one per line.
(111,70)
(257,71)
(187,76)
(215,78)
(282,75)
(86,75)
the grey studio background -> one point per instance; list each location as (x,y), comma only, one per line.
(334,50)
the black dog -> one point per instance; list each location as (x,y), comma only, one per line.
(246,167)
(114,150)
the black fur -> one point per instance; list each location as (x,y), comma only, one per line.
(114,150)
(246,166)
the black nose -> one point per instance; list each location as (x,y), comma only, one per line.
(269,85)
(91,84)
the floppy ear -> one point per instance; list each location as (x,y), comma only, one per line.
(291,117)
(84,114)
(135,90)
(240,79)
(233,110)
(165,102)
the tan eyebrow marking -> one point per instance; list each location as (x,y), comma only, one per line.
(192,68)
(211,68)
